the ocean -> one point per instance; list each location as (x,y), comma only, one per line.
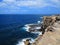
(11,28)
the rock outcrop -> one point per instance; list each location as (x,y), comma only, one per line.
(48,21)
(50,31)
(51,36)
(27,42)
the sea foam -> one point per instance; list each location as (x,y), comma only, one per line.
(22,42)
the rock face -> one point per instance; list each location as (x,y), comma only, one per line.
(27,42)
(50,38)
(48,21)
(58,18)
(50,31)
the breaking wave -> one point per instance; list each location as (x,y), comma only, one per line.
(22,41)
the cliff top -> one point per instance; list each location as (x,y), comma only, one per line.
(51,35)
(50,38)
(50,31)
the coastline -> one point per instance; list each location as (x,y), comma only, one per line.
(49,34)
(49,38)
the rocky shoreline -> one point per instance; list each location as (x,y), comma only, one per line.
(48,26)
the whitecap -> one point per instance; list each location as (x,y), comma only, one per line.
(26,28)
(31,40)
(22,42)
(39,33)
(41,17)
(38,22)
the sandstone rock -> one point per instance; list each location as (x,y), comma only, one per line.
(50,31)
(27,42)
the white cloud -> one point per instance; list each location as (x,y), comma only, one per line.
(9,1)
(55,1)
(30,3)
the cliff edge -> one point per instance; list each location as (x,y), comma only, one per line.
(50,38)
(50,31)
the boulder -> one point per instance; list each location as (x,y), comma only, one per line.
(27,42)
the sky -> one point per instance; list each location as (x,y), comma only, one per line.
(29,6)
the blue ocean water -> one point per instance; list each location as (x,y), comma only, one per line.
(11,28)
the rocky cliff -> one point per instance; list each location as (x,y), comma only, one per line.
(48,22)
(50,31)
(51,36)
